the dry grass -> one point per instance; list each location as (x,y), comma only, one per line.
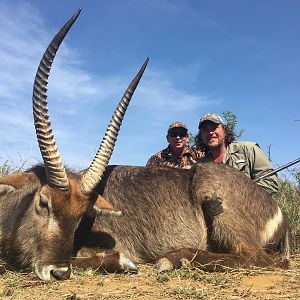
(288,199)
(147,284)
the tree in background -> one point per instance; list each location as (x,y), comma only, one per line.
(231,121)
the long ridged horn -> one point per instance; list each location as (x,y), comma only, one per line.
(55,171)
(95,171)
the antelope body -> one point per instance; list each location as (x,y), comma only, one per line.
(166,209)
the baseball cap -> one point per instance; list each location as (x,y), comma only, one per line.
(211,117)
(177,125)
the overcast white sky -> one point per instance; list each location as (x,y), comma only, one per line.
(241,56)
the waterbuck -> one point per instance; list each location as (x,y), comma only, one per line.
(212,214)
(40,209)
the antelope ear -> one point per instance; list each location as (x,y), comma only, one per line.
(22,183)
(18,181)
(103,207)
(5,189)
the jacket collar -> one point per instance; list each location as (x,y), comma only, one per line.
(186,152)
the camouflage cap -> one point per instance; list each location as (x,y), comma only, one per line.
(177,125)
(211,117)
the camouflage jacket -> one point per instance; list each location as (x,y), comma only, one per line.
(250,159)
(167,158)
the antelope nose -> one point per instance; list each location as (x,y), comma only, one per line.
(61,274)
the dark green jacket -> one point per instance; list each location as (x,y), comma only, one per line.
(248,158)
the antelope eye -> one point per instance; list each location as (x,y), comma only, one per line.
(42,206)
(44,202)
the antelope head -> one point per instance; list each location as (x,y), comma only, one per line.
(65,197)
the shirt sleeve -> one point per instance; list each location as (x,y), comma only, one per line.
(154,161)
(260,165)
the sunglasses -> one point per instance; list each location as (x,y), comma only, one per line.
(176,134)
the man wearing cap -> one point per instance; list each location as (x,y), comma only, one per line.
(177,154)
(218,142)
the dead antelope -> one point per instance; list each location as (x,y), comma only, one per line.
(40,209)
(212,215)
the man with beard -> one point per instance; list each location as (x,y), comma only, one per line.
(217,140)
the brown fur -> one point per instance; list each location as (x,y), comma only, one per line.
(163,211)
(27,206)
(38,224)
(107,261)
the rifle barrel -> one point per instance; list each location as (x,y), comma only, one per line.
(278,169)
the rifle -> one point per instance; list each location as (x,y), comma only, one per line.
(278,169)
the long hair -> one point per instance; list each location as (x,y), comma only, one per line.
(229,138)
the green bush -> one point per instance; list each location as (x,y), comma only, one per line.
(9,167)
(288,199)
